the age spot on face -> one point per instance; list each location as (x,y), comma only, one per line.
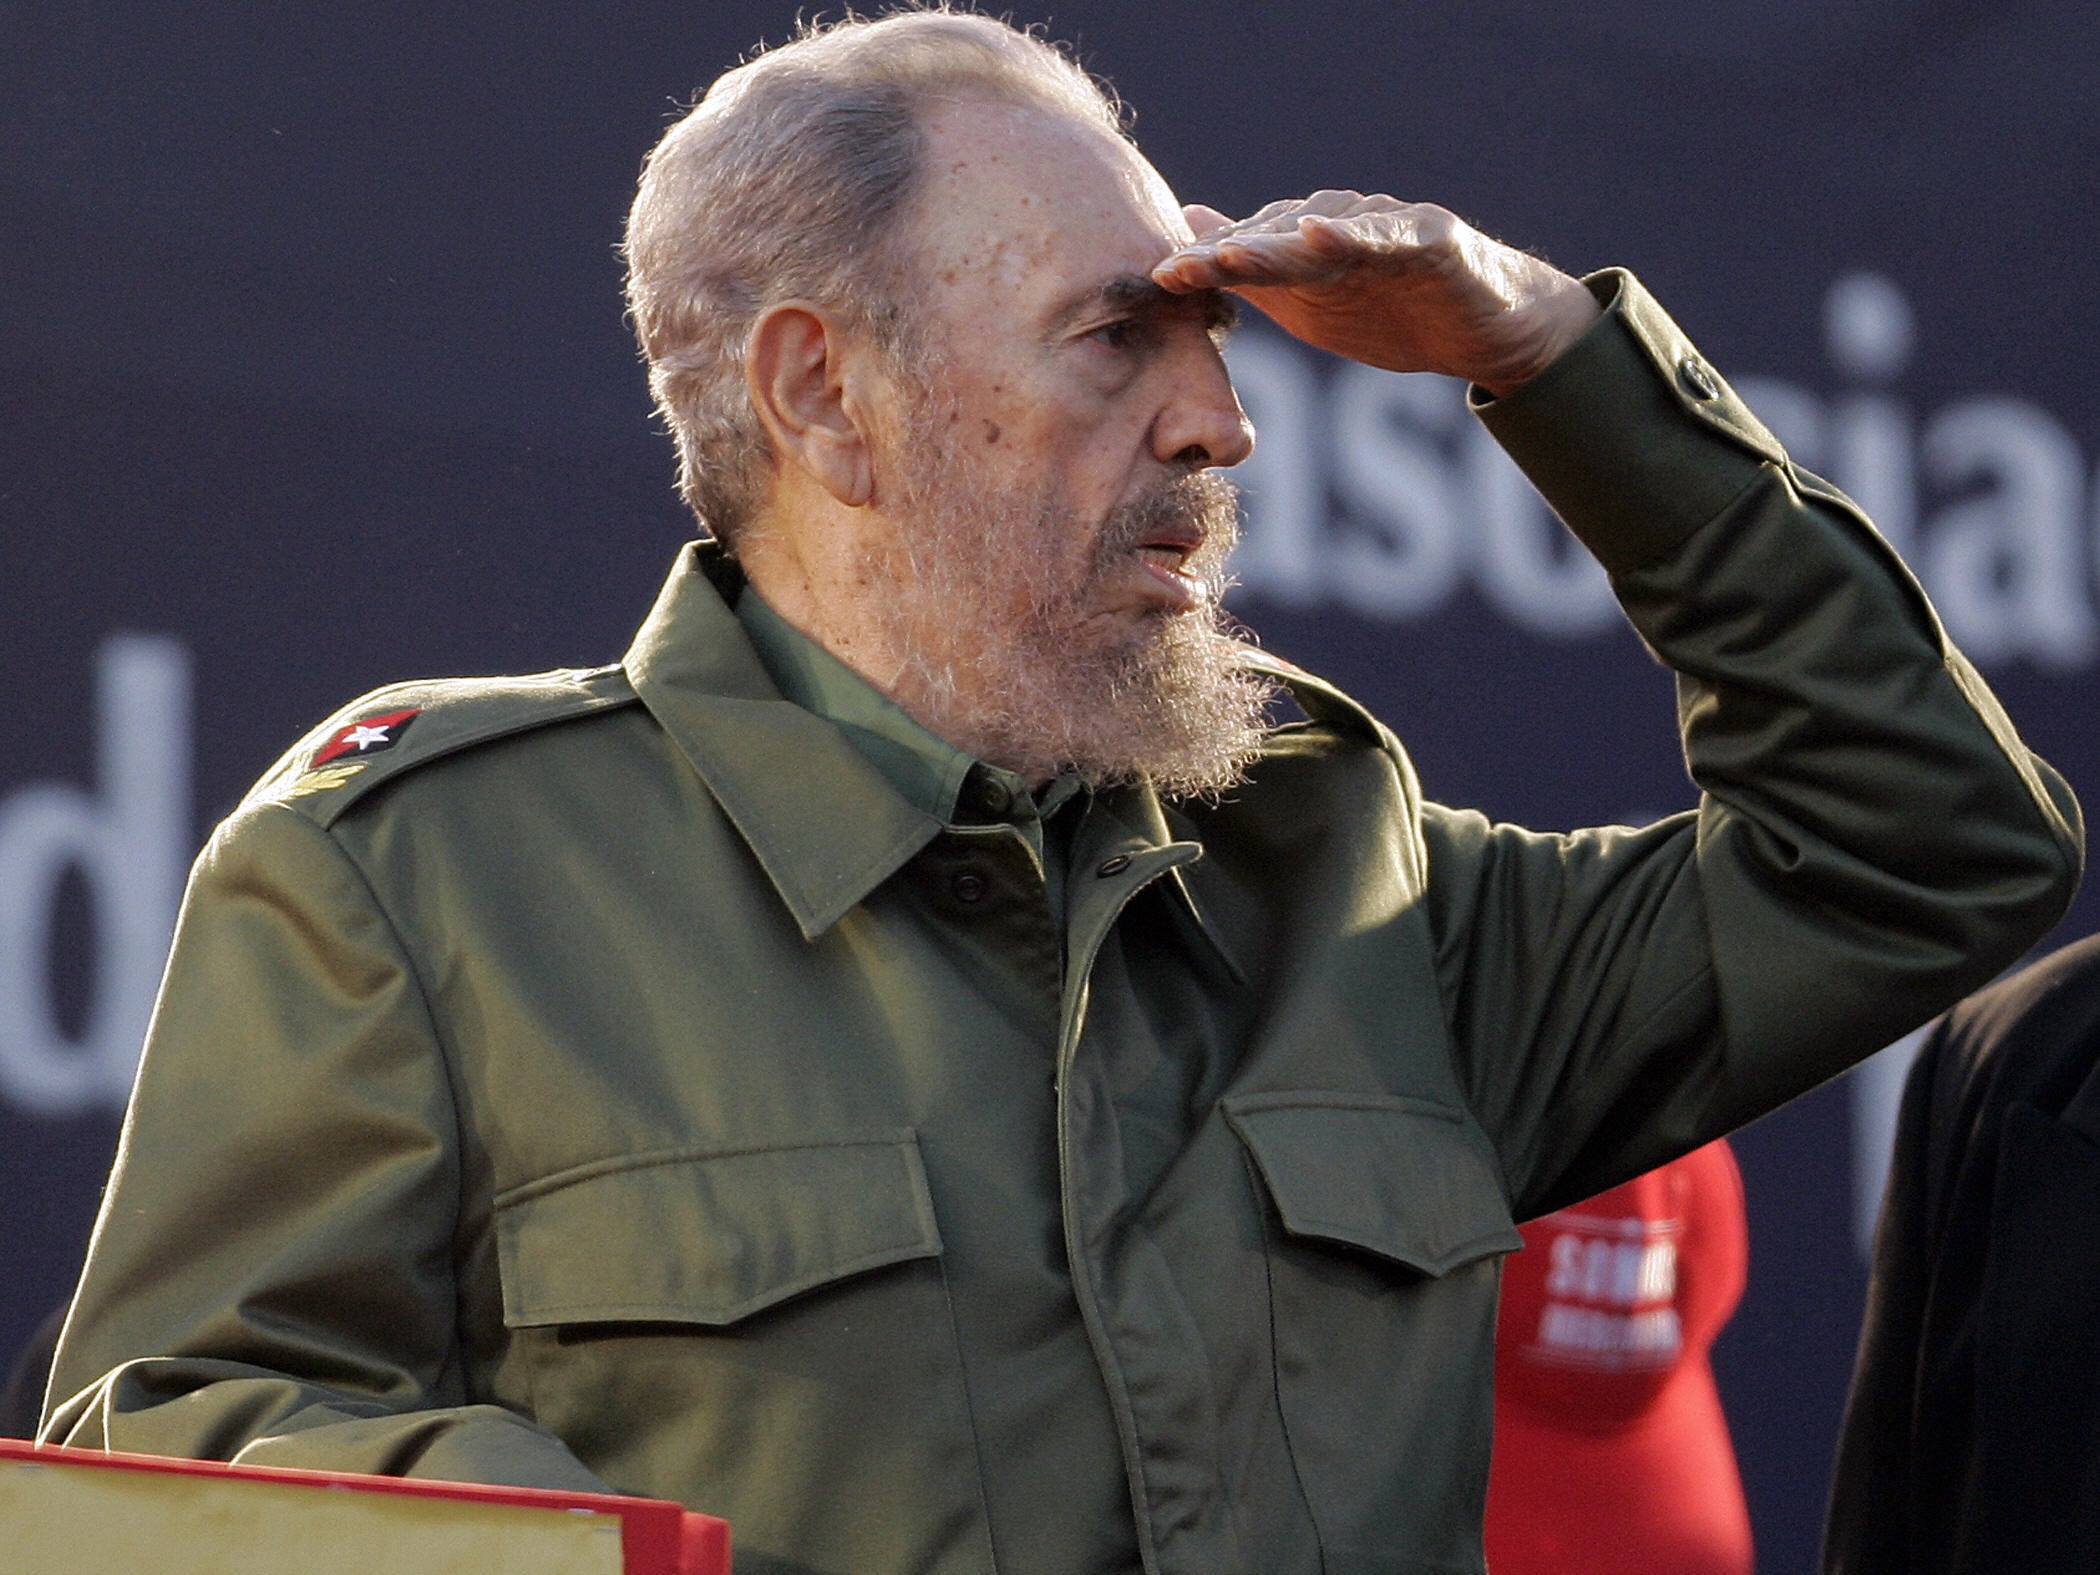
(991,432)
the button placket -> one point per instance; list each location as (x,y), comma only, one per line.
(1081,1203)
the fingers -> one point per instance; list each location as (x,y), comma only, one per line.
(1380,227)
(1307,240)
(1237,256)
(1407,286)
(1284,256)
(1283,217)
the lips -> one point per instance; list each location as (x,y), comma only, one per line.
(1166,562)
(1176,536)
(1162,536)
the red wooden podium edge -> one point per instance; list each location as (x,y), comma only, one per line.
(657,1536)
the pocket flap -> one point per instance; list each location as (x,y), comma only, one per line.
(710,1237)
(1406,1179)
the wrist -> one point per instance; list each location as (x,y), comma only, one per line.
(1563,315)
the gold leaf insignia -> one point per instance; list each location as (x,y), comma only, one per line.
(322,780)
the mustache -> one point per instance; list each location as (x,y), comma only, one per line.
(1202,503)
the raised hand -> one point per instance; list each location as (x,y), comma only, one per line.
(1407,286)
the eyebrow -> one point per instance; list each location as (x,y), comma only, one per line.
(1137,295)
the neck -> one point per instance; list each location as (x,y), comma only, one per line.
(823,597)
(842,593)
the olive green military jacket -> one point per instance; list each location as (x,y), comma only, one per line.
(614,1081)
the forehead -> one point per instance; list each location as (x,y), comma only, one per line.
(1025,207)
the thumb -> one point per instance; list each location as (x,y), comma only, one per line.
(1203,219)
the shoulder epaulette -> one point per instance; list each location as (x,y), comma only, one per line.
(1316,697)
(379,736)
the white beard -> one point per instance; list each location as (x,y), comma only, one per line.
(1004,661)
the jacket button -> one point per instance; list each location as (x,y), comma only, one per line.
(1699,382)
(969,886)
(1114,866)
(992,797)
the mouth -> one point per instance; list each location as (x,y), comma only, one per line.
(1159,556)
(1166,561)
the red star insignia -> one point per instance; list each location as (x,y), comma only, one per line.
(366,736)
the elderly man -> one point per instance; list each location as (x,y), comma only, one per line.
(909,1060)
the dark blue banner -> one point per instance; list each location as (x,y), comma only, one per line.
(313,377)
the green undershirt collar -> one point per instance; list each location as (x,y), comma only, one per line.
(927,771)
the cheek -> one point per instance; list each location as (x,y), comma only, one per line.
(1031,535)
(1053,462)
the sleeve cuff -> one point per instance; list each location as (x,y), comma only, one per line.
(1631,436)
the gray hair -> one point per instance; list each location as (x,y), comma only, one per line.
(790,180)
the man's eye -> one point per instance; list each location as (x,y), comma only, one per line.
(1121,334)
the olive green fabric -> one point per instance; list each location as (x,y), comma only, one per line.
(927,771)
(620,1082)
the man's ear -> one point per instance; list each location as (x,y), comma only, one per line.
(810,381)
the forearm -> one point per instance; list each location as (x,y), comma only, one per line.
(206,1409)
(1873,840)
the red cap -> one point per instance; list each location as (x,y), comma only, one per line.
(1611,1453)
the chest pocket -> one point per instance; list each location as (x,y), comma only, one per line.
(710,1238)
(750,1319)
(1404,1179)
(1384,1249)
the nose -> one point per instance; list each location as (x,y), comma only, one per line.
(1201,423)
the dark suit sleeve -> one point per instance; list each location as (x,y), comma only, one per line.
(1871,1511)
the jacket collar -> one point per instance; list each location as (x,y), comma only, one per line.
(824,823)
